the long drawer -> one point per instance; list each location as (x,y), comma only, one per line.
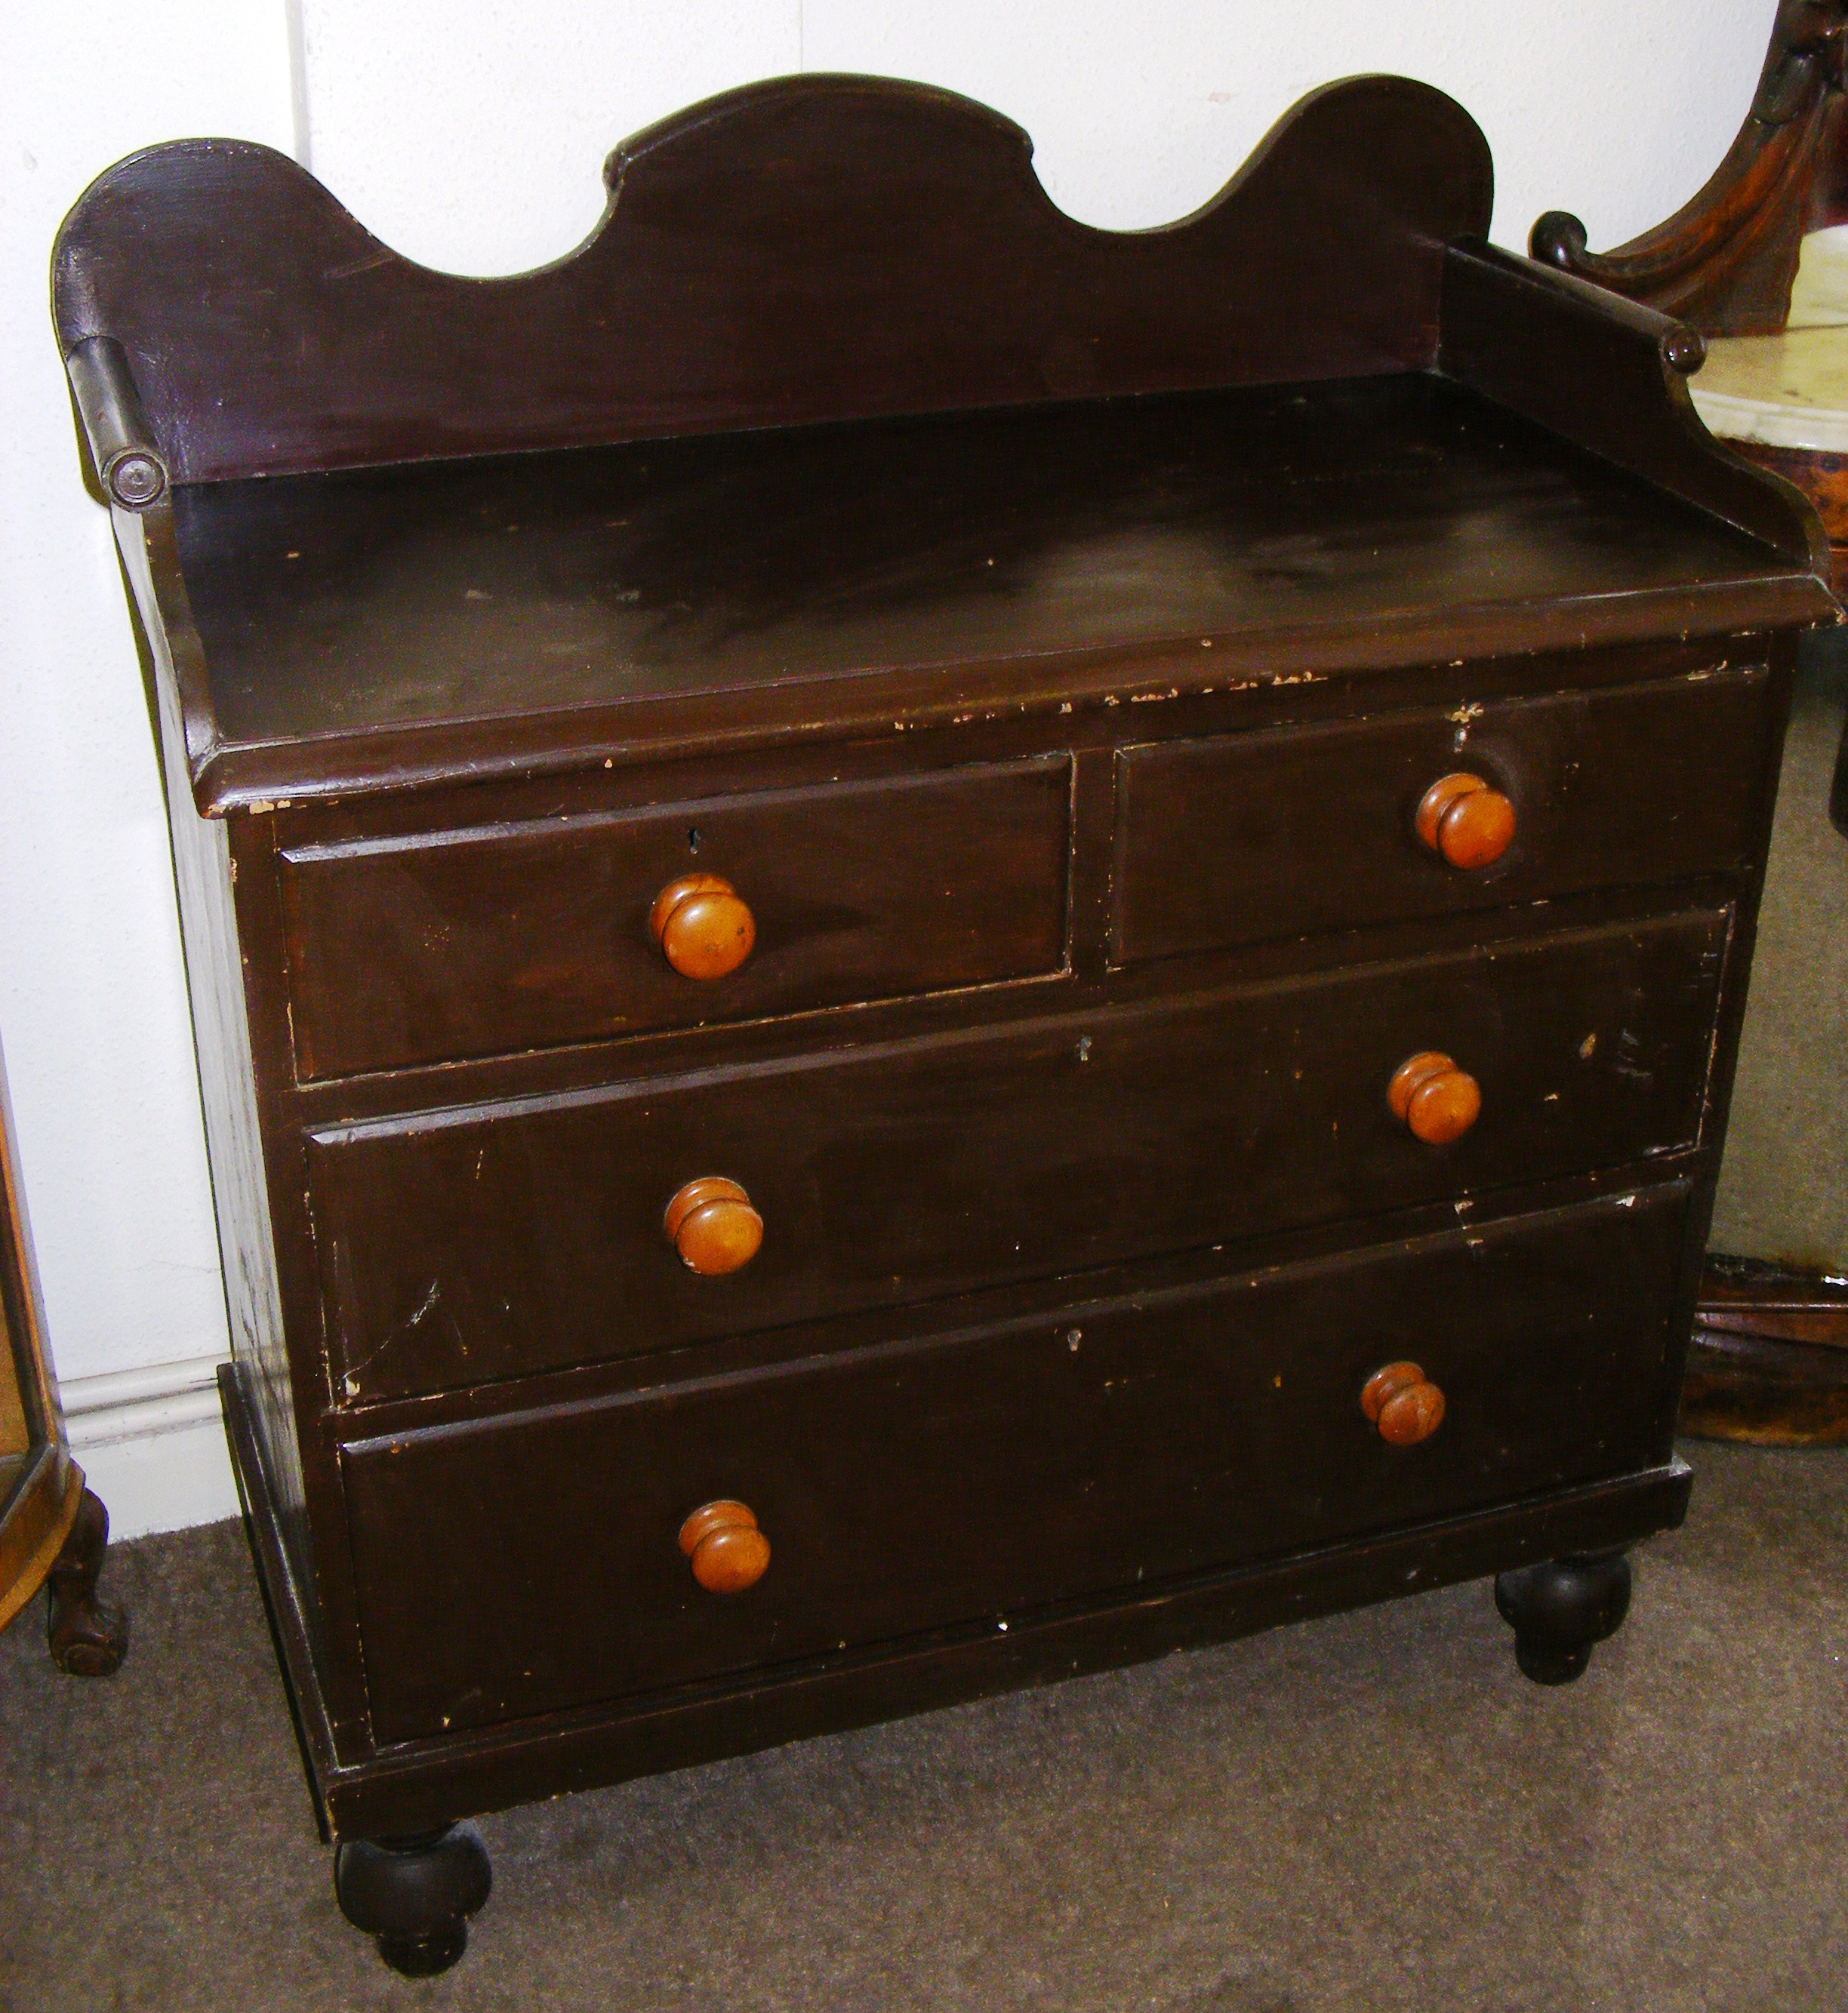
(531,1562)
(449,944)
(1297,830)
(466,1245)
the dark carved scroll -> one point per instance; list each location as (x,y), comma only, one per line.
(1725,260)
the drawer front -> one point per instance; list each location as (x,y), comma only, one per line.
(464,1246)
(454,944)
(1284,833)
(533,1562)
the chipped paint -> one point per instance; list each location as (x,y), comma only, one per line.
(350,1383)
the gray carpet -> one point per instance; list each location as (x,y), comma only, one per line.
(1371,1811)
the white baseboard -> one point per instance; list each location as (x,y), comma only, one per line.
(151,1443)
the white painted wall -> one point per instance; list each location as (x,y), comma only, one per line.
(92,997)
(470,133)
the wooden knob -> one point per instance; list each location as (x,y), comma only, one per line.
(711,1224)
(1461,817)
(1438,1101)
(1403,1403)
(727,1550)
(704,930)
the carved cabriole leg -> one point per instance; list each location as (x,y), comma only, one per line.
(1558,1609)
(414,1895)
(89,1637)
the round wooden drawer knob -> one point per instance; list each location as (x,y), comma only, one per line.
(1403,1403)
(704,930)
(727,1550)
(711,1224)
(1438,1101)
(1464,820)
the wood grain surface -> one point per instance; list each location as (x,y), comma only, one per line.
(508,934)
(914,1486)
(749,584)
(1245,837)
(485,1242)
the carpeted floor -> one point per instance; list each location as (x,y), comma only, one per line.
(1373,1811)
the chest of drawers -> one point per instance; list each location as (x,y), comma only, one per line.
(929,948)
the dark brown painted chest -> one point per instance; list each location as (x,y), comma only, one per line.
(930,948)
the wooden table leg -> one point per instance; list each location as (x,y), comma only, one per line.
(89,1637)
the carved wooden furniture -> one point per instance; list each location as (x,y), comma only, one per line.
(930,948)
(1725,260)
(53,1531)
(1758,260)
(1743,262)
(1765,1363)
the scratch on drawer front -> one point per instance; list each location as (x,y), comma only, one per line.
(353,269)
(350,1383)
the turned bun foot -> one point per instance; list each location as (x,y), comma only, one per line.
(88,1637)
(413,1895)
(1560,1609)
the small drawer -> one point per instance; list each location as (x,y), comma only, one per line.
(492,939)
(535,1561)
(493,1241)
(1287,832)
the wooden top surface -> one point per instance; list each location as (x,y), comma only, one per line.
(1379,518)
